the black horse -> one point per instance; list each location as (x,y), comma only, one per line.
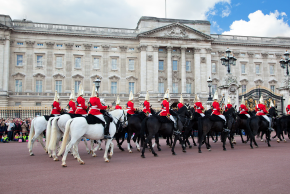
(283,125)
(153,126)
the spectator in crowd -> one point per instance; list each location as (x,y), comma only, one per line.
(24,137)
(16,137)
(24,126)
(10,125)
(3,127)
(4,138)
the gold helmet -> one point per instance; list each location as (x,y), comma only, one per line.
(147,96)
(72,95)
(131,97)
(118,100)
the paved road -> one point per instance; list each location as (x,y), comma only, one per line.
(239,170)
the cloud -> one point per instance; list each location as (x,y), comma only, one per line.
(226,12)
(109,13)
(260,24)
(215,25)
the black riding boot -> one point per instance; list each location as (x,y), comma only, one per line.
(226,127)
(106,132)
(270,127)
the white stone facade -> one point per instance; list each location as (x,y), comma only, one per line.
(45,57)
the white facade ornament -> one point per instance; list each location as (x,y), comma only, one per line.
(176,32)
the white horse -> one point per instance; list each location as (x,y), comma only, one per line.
(38,125)
(79,127)
(54,133)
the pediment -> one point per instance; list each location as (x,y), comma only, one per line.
(131,78)
(176,31)
(96,76)
(58,76)
(78,76)
(39,75)
(18,74)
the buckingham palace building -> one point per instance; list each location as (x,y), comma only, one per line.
(38,58)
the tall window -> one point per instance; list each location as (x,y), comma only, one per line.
(38,86)
(114,87)
(131,64)
(78,62)
(96,63)
(131,87)
(188,65)
(18,85)
(39,60)
(58,86)
(243,68)
(257,69)
(272,88)
(272,70)
(114,64)
(161,65)
(161,87)
(19,60)
(213,67)
(174,87)
(58,62)
(188,88)
(213,88)
(174,65)
(77,85)
(244,89)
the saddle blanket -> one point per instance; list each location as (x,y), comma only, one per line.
(47,117)
(163,119)
(91,120)
(216,118)
(242,116)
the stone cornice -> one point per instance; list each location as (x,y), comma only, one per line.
(78,76)
(221,53)
(106,47)
(250,44)
(183,48)
(155,47)
(196,50)
(123,48)
(278,55)
(69,46)
(18,74)
(250,54)
(38,75)
(131,78)
(29,43)
(50,44)
(2,40)
(265,55)
(88,46)
(143,47)
(175,57)
(169,48)
(208,50)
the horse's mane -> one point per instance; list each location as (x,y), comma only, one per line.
(273,112)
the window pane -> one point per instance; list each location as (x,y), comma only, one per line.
(243,68)
(58,86)
(131,87)
(114,64)
(213,65)
(174,87)
(131,64)
(39,61)
(161,87)
(78,62)
(96,63)
(244,88)
(273,88)
(174,65)
(257,69)
(114,87)
(77,85)
(188,88)
(18,85)
(19,60)
(58,62)
(161,65)
(214,88)
(38,86)
(271,69)
(188,65)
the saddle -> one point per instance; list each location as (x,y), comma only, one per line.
(243,116)
(263,119)
(162,119)
(215,118)
(92,120)
(196,115)
(48,116)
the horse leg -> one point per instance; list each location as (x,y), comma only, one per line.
(208,146)
(174,143)
(193,141)
(157,142)
(55,158)
(68,147)
(128,142)
(262,136)
(88,150)
(223,139)
(40,139)
(241,134)
(268,135)
(200,139)
(137,143)
(150,146)
(111,150)
(106,150)
(144,146)
(118,142)
(36,135)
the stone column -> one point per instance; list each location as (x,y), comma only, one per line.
(155,68)
(143,69)
(169,69)
(208,63)
(2,54)
(4,68)
(69,65)
(197,70)
(87,68)
(123,69)
(49,68)
(30,59)
(105,67)
(183,70)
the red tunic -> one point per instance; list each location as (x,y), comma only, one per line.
(261,109)
(216,108)
(228,107)
(165,108)
(243,109)
(130,108)
(118,107)
(96,106)
(180,105)
(146,108)
(288,110)
(198,107)
(56,108)
(72,107)
(81,108)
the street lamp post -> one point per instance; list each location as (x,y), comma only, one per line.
(228,60)
(209,81)
(97,83)
(284,63)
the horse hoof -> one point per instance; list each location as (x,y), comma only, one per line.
(149,150)
(285,140)
(278,140)
(94,155)
(100,148)
(173,153)
(142,156)
(256,146)
(225,149)
(109,156)
(269,145)
(56,159)
(32,154)
(209,149)
(184,151)
(107,160)
(262,140)
(199,151)
(195,145)
(64,165)
(138,149)
(46,151)
(190,146)
(130,151)
(50,156)
(121,149)
(82,163)
(159,149)
(155,155)
(232,147)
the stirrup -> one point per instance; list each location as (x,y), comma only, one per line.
(177,132)
(226,130)
(270,129)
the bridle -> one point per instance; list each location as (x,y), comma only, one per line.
(118,119)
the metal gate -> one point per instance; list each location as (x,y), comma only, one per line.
(252,98)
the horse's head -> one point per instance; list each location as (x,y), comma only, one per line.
(273,112)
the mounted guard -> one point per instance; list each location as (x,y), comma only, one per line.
(262,111)
(288,108)
(81,103)
(118,103)
(180,104)
(56,106)
(146,105)
(72,105)
(198,106)
(228,106)
(130,105)
(217,111)
(243,108)
(95,108)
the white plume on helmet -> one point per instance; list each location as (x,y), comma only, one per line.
(271,104)
(118,100)
(216,96)
(81,91)
(56,96)
(181,99)
(243,100)
(72,95)
(147,96)
(229,100)
(166,95)
(261,100)
(131,97)
(93,92)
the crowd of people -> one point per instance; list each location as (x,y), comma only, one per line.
(14,129)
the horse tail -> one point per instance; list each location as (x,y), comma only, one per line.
(65,137)
(31,133)
(248,127)
(200,128)
(143,129)
(53,138)
(48,132)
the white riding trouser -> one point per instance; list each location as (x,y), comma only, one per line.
(149,114)
(201,114)
(248,115)
(172,119)
(223,117)
(101,117)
